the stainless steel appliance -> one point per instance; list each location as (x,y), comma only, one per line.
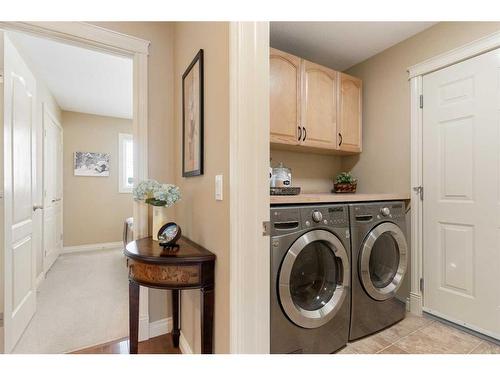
(379,261)
(310,277)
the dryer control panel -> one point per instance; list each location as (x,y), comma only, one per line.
(369,212)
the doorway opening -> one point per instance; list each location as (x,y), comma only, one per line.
(78,111)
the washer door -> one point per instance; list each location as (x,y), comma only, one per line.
(382,263)
(314,279)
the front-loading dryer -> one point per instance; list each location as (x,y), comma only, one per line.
(310,278)
(379,262)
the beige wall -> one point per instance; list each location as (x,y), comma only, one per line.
(94,210)
(160,90)
(384,164)
(314,173)
(203,219)
(161,115)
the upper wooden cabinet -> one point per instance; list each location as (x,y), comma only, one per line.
(285,97)
(319,106)
(314,107)
(350,113)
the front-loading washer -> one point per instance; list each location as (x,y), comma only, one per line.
(310,279)
(379,262)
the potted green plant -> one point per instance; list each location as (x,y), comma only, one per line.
(345,183)
(159,196)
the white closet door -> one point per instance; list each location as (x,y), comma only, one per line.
(19,185)
(53,190)
(461,173)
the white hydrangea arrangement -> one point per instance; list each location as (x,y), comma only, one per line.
(156,194)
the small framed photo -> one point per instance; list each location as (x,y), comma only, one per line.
(192,118)
(91,164)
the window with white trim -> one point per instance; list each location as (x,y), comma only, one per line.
(126,163)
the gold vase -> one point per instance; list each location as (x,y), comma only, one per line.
(159,219)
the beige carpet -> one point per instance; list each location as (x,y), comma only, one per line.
(82,302)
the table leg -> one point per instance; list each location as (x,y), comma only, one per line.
(133,303)
(176,311)
(207,320)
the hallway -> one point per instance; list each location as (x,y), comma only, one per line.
(82,302)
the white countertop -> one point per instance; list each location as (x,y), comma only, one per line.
(336,198)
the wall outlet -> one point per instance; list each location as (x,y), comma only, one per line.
(218,187)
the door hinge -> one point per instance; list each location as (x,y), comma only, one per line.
(266,228)
(1,320)
(421,101)
(421,284)
(420,191)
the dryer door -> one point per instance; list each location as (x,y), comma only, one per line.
(383,260)
(314,279)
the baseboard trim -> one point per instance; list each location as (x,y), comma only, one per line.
(473,330)
(184,345)
(39,280)
(416,303)
(164,326)
(160,327)
(144,328)
(91,247)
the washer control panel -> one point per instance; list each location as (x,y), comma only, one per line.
(317,216)
(334,216)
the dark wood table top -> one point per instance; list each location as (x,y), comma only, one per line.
(149,251)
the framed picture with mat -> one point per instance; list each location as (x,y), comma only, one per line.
(192,118)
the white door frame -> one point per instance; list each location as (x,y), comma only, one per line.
(249,184)
(415,74)
(47,112)
(94,37)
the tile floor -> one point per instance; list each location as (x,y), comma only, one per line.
(421,335)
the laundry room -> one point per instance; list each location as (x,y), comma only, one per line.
(326,188)
(346,193)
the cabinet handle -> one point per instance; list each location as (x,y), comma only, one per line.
(340,135)
(300,132)
(305,133)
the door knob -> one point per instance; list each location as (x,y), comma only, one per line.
(37,207)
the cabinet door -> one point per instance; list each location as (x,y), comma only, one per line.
(349,130)
(284,97)
(319,105)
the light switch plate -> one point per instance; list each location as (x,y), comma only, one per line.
(218,187)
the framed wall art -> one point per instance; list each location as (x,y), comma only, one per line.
(93,164)
(192,118)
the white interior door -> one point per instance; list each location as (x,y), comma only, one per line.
(461,175)
(52,190)
(19,186)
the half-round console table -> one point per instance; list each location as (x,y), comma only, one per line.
(190,267)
